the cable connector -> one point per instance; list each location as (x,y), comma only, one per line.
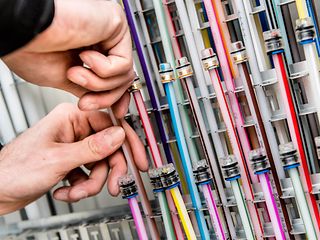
(169,176)
(230,168)
(238,52)
(201,172)
(288,156)
(136,85)
(209,59)
(184,68)
(128,187)
(305,31)
(155,179)
(259,161)
(166,73)
(273,41)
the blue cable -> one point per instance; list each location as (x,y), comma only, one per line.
(205,16)
(186,161)
(316,27)
(263,18)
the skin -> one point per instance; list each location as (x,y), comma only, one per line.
(94,33)
(55,149)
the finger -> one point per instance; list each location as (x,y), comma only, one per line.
(121,107)
(83,189)
(93,148)
(76,176)
(137,147)
(89,80)
(74,89)
(99,120)
(95,101)
(118,168)
(107,66)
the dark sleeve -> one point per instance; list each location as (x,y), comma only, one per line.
(21,21)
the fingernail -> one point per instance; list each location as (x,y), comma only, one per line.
(90,106)
(116,135)
(80,194)
(87,60)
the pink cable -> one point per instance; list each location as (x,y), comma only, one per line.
(156,156)
(172,31)
(137,217)
(227,74)
(226,114)
(272,206)
(213,211)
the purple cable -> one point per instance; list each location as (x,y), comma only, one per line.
(147,76)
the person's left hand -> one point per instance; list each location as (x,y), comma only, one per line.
(56,148)
(92,32)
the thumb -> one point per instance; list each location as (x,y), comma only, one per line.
(91,149)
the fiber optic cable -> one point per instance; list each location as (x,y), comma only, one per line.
(204,32)
(203,179)
(312,14)
(281,24)
(159,191)
(305,33)
(261,167)
(289,28)
(263,18)
(232,174)
(130,192)
(291,164)
(194,42)
(229,81)
(157,159)
(148,78)
(302,8)
(170,180)
(185,73)
(265,128)
(169,53)
(214,11)
(172,31)
(141,189)
(210,63)
(274,47)
(257,80)
(144,34)
(167,78)
(246,10)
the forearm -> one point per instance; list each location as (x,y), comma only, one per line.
(21,21)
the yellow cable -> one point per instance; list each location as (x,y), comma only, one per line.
(177,161)
(302,8)
(183,214)
(204,33)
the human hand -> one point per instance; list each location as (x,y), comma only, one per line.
(55,148)
(92,32)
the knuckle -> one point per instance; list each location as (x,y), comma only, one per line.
(94,148)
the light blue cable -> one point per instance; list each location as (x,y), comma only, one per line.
(313,16)
(282,27)
(185,158)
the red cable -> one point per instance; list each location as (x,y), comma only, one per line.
(303,157)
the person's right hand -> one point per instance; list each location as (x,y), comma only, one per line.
(93,32)
(55,149)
